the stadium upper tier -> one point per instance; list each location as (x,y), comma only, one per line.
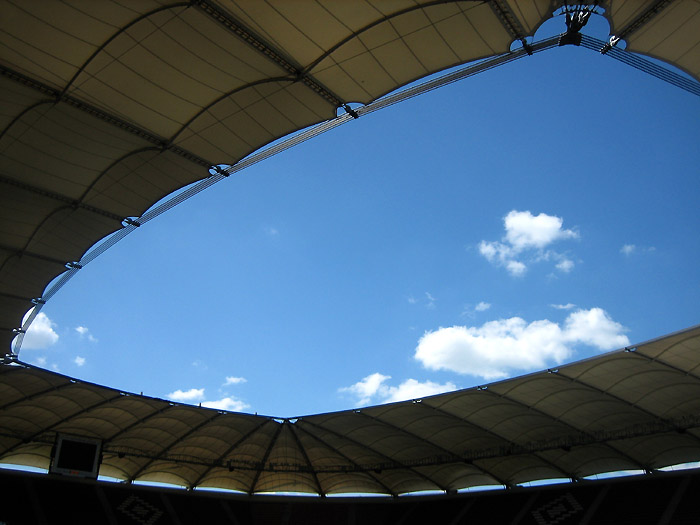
(108,107)
(634,409)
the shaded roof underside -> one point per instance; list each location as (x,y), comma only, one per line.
(107,107)
(632,409)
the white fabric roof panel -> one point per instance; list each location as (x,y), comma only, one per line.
(624,410)
(107,107)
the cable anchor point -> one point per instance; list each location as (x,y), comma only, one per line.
(575,20)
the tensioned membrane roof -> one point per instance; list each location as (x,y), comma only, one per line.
(633,409)
(109,106)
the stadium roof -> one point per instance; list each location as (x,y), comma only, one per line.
(633,409)
(108,107)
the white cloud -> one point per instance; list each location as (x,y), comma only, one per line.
(272,232)
(366,389)
(41,333)
(227,403)
(567,306)
(594,327)
(231,380)
(412,300)
(193,394)
(516,268)
(373,388)
(498,348)
(80,361)
(85,333)
(412,389)
(431,301)
(629,249)
(41,361)
(565,265)
(482,306)
(525,241)
(524,230)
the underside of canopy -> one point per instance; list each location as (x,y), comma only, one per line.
(107,107)
(634,409)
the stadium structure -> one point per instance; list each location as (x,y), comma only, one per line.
(111,106)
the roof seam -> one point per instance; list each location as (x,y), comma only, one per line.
(177,440)
(589,435)
(359,468)
(255,41)
(494,434)
(306,456)
(642,19)
(102,115)
(261,465)
(76,203)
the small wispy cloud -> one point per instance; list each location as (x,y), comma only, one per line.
(567,306)
(430,304)
(84,332)
(191,395)
(80,361)
(526,241)
(231,380)
(470,310)
(374,388)
(199,364)
(227,403)
(272,232)
(194,395)
(629,249)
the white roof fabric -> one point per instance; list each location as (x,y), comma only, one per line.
(637,408)
(106,107)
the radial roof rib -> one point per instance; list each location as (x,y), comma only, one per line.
(294,434)
(556,469)
(388,468)
(338,480)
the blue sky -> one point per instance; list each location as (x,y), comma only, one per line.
(535,214)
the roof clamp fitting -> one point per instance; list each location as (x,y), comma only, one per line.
(612,43)
(74,265)
(38,300)
(221,171)
(574,23)
(128,221)
(527,47)
(350,111)
(8,358)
